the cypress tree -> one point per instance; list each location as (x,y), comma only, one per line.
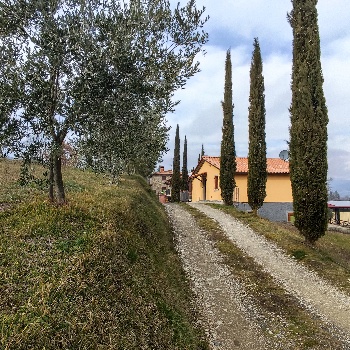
(202,152)
(228,154)
(257,174)
(176,180)
(309,119)
(184,186)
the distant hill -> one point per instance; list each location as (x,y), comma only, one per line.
(342,186)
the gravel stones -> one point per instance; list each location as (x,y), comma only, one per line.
(315,293)
(230,316)
(219,296)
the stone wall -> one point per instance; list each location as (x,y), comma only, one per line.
(270,211)
(157,183)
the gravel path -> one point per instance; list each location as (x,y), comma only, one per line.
(219,296)
(319,296)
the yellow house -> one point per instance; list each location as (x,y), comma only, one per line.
(206,184)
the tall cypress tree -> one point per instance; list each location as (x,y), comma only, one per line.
(200,155)
(184,186)
(309,119)
(176,180)
(228,154)
(257,174)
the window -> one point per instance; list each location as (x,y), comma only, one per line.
(163,177)
(216,182)
(236,195)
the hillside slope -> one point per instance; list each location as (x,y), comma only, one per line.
(98,273)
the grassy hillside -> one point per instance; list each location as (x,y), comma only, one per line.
(98,273)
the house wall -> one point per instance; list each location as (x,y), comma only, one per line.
(197,190)
(197,185)
(241,186)
(278,187)
(157,183)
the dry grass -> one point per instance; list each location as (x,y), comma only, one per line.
(11,192)
(285,319)
(330,258)
(98,273)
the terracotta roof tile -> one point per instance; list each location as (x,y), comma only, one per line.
(278,166)
(274,165)
(165,172)
(213,161)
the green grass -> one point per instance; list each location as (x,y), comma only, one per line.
(274,302)
(330,258)
(98,273)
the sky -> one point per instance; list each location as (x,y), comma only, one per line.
(233,25)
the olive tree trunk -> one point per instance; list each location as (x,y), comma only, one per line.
(61,198)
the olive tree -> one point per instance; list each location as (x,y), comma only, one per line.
(97,70)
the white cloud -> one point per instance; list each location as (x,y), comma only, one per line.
(338,163)
(249,19)
(200,112)
(234,23)
(277,74)
(333,19)
(336,72)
